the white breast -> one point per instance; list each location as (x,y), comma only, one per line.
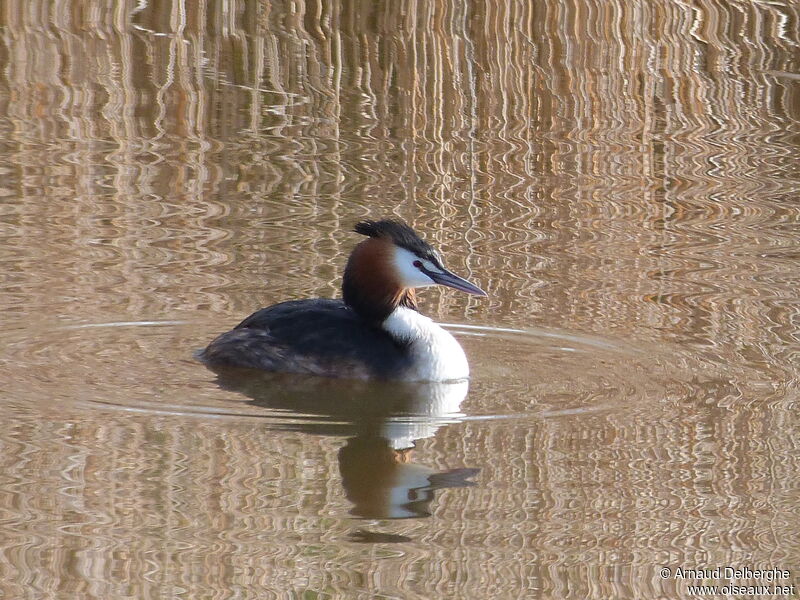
(437,356)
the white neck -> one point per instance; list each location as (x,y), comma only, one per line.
(437,356)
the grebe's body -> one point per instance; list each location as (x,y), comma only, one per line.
(374,332)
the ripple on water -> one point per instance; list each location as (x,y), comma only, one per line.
(149,366)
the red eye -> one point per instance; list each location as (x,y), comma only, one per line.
(418,264)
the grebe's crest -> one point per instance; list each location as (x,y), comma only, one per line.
(400,235)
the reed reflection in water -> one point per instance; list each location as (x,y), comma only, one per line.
(616,171)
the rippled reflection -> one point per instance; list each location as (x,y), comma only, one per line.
(623,175)
(382,420)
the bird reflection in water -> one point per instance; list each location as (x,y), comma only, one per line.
(381,421)
(383,482)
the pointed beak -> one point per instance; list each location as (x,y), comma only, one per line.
(457,283)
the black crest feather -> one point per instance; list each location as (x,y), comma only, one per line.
(401,235)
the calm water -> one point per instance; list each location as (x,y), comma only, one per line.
(621,177)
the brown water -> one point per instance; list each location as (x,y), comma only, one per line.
(621,177)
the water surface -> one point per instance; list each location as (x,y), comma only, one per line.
(622,178)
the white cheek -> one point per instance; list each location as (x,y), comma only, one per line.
(410,276)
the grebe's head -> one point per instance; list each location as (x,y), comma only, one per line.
(384,269)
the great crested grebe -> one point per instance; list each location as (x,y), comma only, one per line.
(375,331)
